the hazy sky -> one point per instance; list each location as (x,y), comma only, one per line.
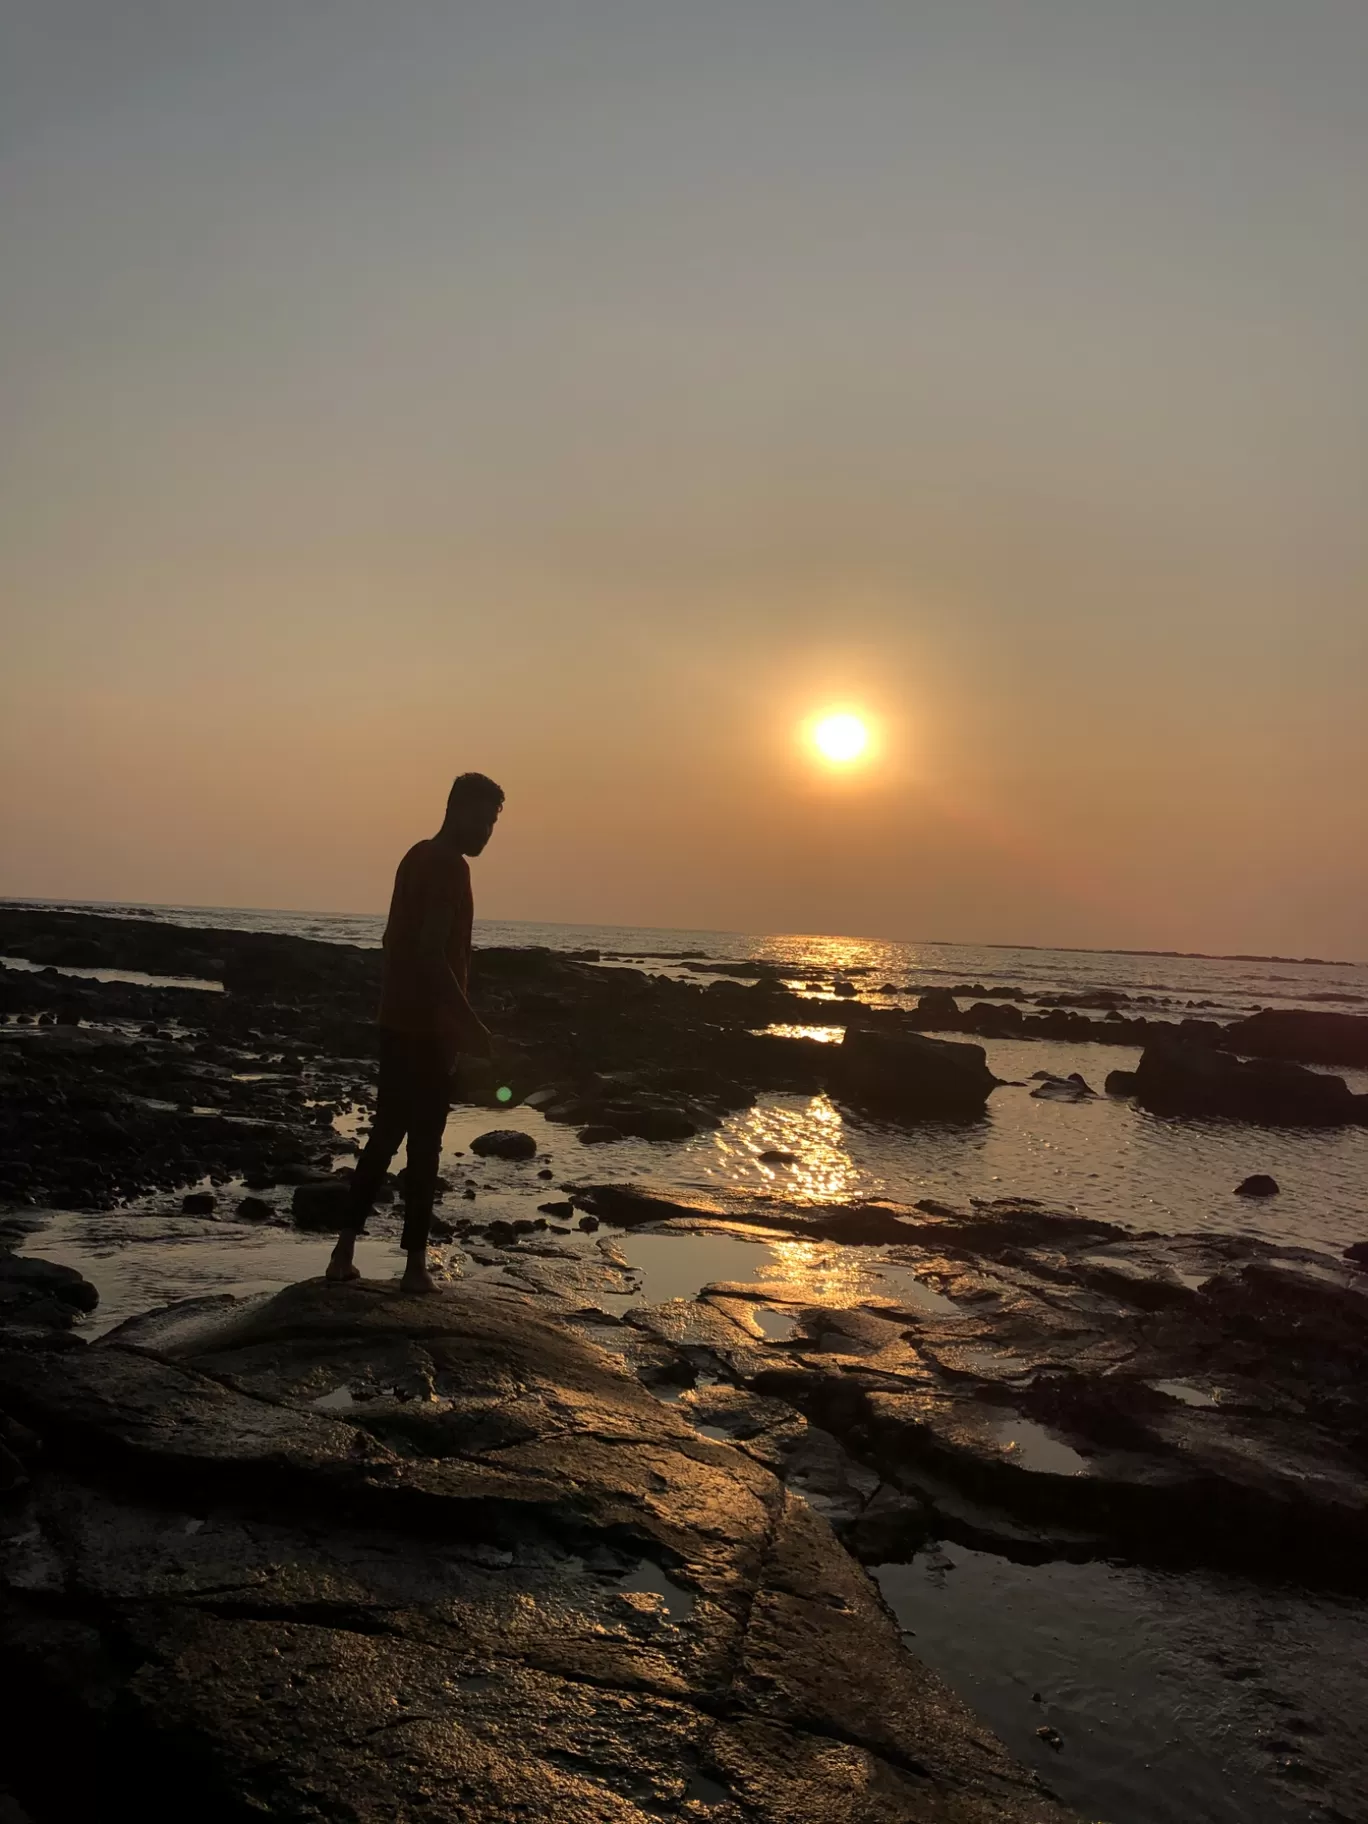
(588,390)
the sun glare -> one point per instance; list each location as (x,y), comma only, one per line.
(840,739)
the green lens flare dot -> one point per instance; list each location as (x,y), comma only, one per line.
(503,1095)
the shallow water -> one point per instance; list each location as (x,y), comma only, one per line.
(138,977)
(1104,1157)
(140,1261)
(1180,1699)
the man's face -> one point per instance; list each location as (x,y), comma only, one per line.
(477,826)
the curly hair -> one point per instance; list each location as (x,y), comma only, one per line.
(476,791)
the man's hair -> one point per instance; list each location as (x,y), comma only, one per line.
(476,791)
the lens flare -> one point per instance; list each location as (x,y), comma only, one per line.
(840,738)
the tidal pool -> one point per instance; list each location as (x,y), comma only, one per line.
(1193,1699)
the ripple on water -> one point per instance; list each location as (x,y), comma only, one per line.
(1181,1699)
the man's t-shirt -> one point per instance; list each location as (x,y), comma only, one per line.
(431,878)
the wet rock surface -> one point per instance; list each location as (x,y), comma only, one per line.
(1008,1377)
(1061,1388)
(115,1089)
(342,1554)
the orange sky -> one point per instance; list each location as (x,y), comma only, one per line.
(589,393)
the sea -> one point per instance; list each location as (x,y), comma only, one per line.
(1101,1156)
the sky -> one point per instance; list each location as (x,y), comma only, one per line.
(591,391)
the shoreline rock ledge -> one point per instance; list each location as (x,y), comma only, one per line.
(339,1554)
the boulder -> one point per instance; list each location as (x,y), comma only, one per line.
(1195,1080)
(653,1122)
(255,1209)
(598,1133)
(197,1203)
(938,1003)
(320,1206)
(1307,1037)
(1258,1185)
(1120,1083)
(504,1143)
(913,1077)
(42,1293)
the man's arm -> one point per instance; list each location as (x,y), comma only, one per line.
(433,937)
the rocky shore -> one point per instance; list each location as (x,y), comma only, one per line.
(541,1547)
(341,1555)
(111,1089)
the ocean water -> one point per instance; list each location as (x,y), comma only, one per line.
(1224,987)
(1103,1157)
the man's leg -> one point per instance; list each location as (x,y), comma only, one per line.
(392,1109)
(427,1123)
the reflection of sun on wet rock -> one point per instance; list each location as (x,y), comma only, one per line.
(505,1580)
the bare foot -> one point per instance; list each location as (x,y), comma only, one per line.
(417,1279)
(341,1266)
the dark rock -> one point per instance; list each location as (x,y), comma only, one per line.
(504,1143)
(913,1077)
(599,1134)
(656,1123)
(938,1003)
(42,1293)
(320,1206)
(198,1203)
(255,1209)
(444,1607)
(1309,1038)
(1194,1080)
(845,989)
(1120,1083)
(1062,1089)
(295,1172)
(1357,1252)
(1259,1185)
(559,1207)
(588,1224)
(776,1155)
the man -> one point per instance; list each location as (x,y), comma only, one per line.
(426,1020)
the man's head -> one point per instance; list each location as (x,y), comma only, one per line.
(473,806)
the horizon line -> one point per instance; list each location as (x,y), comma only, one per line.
(942,943)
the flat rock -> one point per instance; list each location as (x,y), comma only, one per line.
(339,1554)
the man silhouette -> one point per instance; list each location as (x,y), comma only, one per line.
(426,1021)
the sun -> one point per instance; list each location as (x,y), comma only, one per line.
(840,739)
